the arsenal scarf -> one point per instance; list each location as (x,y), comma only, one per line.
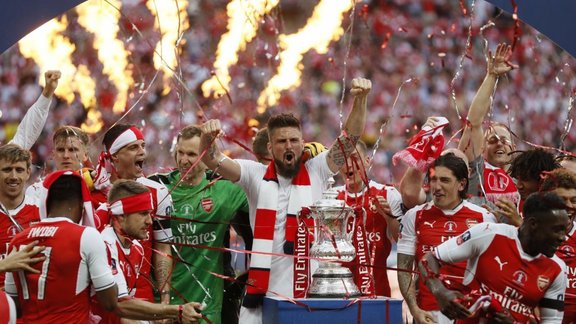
(424,147)
(297,230)
(498,184)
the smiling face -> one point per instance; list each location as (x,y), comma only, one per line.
(69,153)
(13,177)
(128,161)
(498,145)
(286,146)
(445,187)
(187,153)
(569,197)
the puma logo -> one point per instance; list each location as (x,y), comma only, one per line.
(500,263)
(431,224)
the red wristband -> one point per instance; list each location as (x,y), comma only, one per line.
(180,311)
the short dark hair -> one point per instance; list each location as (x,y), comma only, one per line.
(15,153)
(113,133)
(540,203)
(66,131)
(457,166)
(529,165)
(260,143)
(188,132)
(124,188)
(282,120)
(66,189)
(558,178)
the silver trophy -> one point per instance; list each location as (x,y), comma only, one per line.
(332,242)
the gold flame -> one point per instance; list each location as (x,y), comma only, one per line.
(102,20)
(243,19)
(93,123)
(172,21)
(51,50)
(323,27)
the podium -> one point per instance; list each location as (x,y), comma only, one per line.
(334,311)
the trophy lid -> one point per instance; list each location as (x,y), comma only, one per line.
(329,199)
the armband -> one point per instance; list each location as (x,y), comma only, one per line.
(180,313)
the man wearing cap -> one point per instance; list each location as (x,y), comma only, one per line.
(75,260)
(130,205)
(123,158)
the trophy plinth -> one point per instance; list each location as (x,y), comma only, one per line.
(332,242)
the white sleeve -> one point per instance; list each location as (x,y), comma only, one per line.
(117,270)
(407,233)
(467,245)
(394,201)
(162,227)
(32,124)
(10,285)
(93,251)
(320,164)
(554,294)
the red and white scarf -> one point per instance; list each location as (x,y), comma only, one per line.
(424,147)
(297,231)
(88,218)
(498,184)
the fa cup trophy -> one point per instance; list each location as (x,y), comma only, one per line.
(332,242)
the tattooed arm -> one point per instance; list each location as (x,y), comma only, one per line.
(407,283)
(346,143)
(214,159)
(163,270)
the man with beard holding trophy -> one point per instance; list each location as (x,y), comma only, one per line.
(278,191)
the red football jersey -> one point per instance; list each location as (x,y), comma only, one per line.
(160,231)
(426,226)
(7,309)
(125,264)
(567,252)
(75,260)
(379,244)
(522,281)
(26,214)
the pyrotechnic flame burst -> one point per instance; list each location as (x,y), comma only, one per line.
(322,28)
(243,19)
(172,21)
(102,20)
(51,50)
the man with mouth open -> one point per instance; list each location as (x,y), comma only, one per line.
(489,151)
(378,208)
(123,158)
(277,192)
(425,226)
(514,267)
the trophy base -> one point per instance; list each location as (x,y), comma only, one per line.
(333,282)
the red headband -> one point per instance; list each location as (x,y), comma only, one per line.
(132,204)
(126,137)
